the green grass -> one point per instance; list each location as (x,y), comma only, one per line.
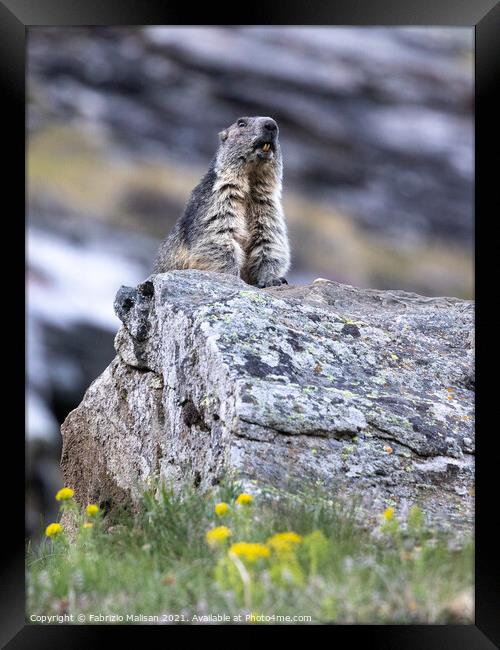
(158,563)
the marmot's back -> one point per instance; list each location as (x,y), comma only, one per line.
(233,221)
(174,250)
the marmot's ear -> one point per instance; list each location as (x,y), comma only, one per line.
(223,135)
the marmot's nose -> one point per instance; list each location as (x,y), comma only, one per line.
(270,125)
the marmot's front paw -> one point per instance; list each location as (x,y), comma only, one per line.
(272,282)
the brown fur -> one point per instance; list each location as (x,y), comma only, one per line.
(233,221)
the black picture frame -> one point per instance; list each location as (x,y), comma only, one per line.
(16,16)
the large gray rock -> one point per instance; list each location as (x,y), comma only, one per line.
(370,392)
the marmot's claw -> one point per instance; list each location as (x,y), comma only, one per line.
(274,282)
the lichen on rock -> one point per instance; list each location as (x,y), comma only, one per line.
(289,386)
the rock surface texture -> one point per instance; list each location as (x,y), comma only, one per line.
(369,392)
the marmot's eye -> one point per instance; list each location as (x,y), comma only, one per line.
(242,123)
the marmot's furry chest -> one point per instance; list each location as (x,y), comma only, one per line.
(233,201)
(242,225)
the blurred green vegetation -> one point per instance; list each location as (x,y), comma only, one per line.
(298,555)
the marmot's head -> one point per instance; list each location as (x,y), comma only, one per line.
(250,141)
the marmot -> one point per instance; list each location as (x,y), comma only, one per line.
(233,221)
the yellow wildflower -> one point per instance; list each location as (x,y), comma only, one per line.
(221,509)
(244,499)
(65,494)
(88,524)
(250,552)
(218,534)
(92,509)
(388,514)
(53,530)
(284,542)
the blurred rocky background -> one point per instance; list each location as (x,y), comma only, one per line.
(377,136)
